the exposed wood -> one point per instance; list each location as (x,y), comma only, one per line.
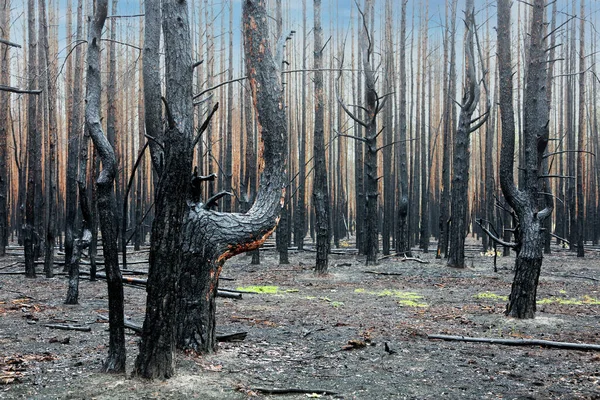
(520,342)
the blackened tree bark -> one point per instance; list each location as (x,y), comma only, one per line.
(449,112)
(424,142)
(524,201)
(388,176)
(190,242)
(374,105)
(300,213)
(50,108)
(33,150)
(402,237)
(106,197)
(320,188)
(4,113)
(461,157)
(73,148)
(581,136)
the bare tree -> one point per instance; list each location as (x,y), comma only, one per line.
(374,105)
(106,197)
(402,236)
(30,236)
(581,136)
(72,158)
(524,201)
(320,187)
(190,242)
(4,127)
(449,111)
(461,158)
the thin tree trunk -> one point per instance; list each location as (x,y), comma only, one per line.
(4,127)
(581,136)
(461,154)
(320,186)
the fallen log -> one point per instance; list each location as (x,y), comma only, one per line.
(69,327)
(520,342)
(292,390)
(127,324)
(229,295)
(232,337)
(405,258)
(383,273)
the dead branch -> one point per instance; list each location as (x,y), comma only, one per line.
(232,337)
(9,43)
(292,390)
(11,89)
(212,202)
(68,327)
(494,237)
(520,342)
(205,124)
(383,273)
(127,324)
(567,151)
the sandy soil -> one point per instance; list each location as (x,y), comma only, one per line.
(310,334)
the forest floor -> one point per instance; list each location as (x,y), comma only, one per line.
(356,332)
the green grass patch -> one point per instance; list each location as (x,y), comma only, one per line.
(406,299)
(587,300)
(490,296)
(259,289)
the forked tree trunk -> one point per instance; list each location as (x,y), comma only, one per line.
(106,197)
(190,242)
(461,153)
(529,242)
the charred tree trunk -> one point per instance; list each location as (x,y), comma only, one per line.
(106,196)
(300,214)
(33,151)
(50,107)
(449,111)
(529,237)
(190,242)
(320,187)
(580,137)
(4,127)
(402,239)
(73,148)
(461,154)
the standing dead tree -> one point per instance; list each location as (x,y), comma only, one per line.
(528,233)
(190,242)
(374,105)
(106,197)
(320,187)
(461,157)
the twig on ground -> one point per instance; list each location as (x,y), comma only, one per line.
(69,327)
(520,342)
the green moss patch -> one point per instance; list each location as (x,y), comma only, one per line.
(490,296)
(587,300)
(259,289)
(406,299)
